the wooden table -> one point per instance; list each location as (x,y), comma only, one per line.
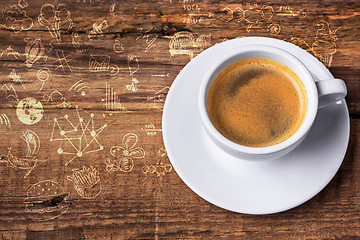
(83,84)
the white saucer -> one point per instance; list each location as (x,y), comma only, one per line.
(261,187)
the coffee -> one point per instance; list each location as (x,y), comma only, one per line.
(257,102)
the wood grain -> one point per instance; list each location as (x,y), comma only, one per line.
(146,199)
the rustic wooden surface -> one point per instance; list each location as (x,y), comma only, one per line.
(48,51)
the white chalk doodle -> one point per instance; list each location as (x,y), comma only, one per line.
(16,78)
(15,18)
(22,3)
(34,51)
(79,136)
(46,200)
(9,51)
(159,168)
(4,120)
(288,11)
(324,45)
(43,76)
(150,39)
(28,162)
(161,75)
(184,43)
(29,111)
(151,130)
(102,64)
(118,46)
(80,87)
(112,100)
(9,91)
(32,143)
(63,60)
(132,86)
(55,19)
(125,154)
(86,182)
(133,66)
(267,12)
(274,29)
(158,98)
(112,10)
(97,31)
(78,47)
(57,99)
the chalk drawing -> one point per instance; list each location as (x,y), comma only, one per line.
(78,47)
(102,64)
(16,78)
(30,161)
(43,75)
(125,154)
(55,19)
(15,18)
(34,51)
(184,43)
(46,200)
(57,99)
(150,39)
(158,98)
(79,136)
(118,46)
(29,111)
(4,120)
(97,31)
(80,87)
(9,91)
(159,168)
(86,182)
(9,51)
(112,100)
(63,61)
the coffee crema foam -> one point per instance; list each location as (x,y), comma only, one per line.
(257,102)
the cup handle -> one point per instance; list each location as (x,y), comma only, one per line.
(330,90)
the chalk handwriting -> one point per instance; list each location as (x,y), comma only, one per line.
(150,130)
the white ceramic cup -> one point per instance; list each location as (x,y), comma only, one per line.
(319,94)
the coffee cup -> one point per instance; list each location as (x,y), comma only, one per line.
(272,120)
